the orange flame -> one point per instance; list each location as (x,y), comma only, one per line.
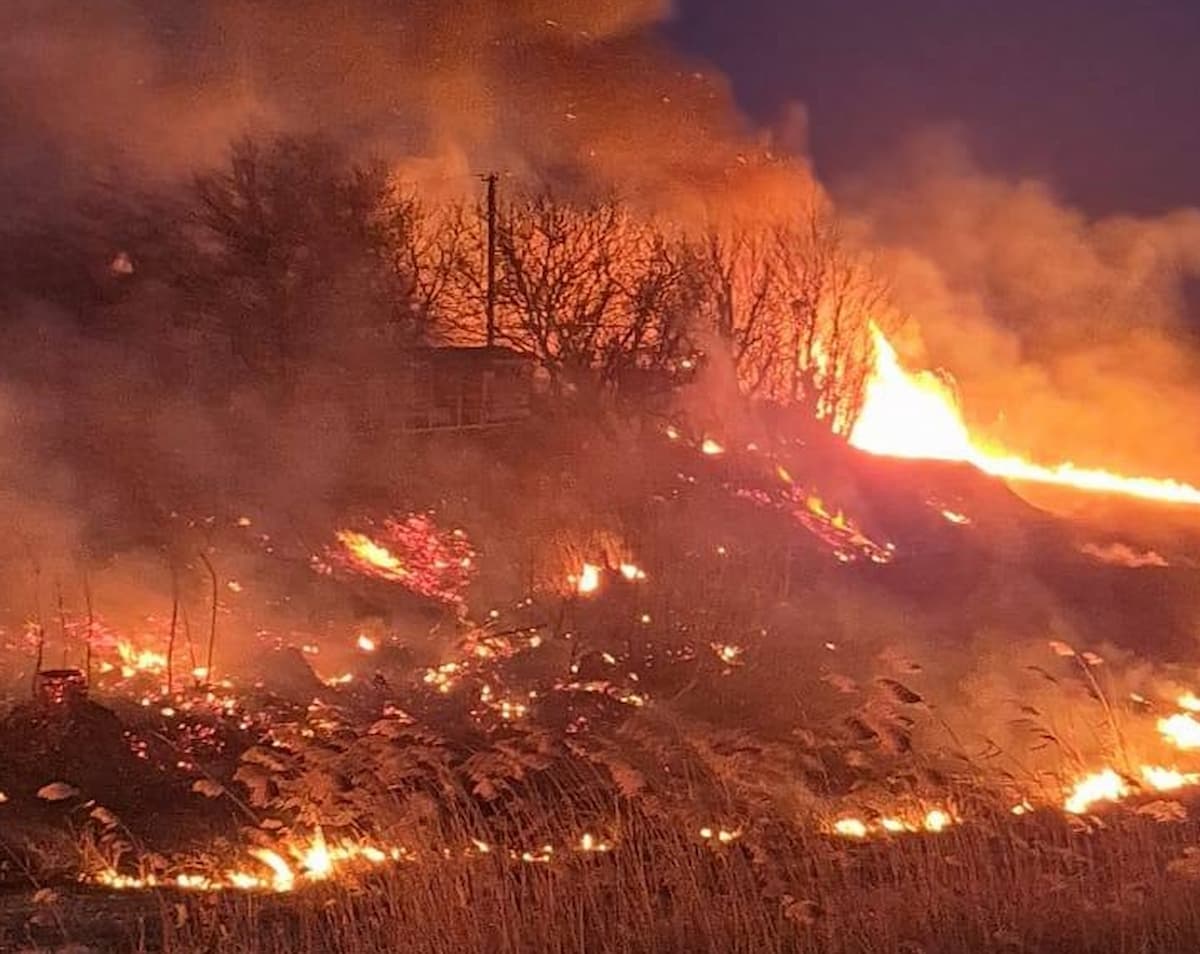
(375,556)
(916,415)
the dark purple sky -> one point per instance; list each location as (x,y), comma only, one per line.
(1099,97)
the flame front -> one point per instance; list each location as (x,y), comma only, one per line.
(916,415)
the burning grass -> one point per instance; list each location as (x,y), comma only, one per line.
(1030,884)
(692,716)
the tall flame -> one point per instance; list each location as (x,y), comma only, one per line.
(916,415)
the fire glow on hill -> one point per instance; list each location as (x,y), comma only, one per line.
(915,414)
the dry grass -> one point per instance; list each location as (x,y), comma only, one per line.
(1034,884)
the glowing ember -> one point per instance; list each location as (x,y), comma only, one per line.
(934,821)
(831,526)
(723,835)
(728,653)
(916,415)
(413,552)
(1190,701)
(1121,554)
(366,643)
(443,677)
(711,448)
(589,842)
(367,551)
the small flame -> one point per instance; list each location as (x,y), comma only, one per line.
(588,580)
(1167,780)
(1181,730)
(283,878)
(851,827)
(134,660)
(728,653)
(316,860)
(1103,786)
(632,572)
(367,551)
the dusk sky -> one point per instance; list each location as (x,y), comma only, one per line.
(1098,97)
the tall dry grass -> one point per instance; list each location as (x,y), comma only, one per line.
(1036,884)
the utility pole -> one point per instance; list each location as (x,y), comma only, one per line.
(490,179)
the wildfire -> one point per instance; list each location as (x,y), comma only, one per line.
(916,415)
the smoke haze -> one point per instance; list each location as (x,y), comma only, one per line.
(1070,338)
(558,93)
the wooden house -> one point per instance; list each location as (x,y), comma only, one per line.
(451,387)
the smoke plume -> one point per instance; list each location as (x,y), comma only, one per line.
(549,91)
(1069,337)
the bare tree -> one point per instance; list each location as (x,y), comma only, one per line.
(588,290)
(433,252)
(737,274)
(296,246)
(834,296)
(599,296)
(795,304)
